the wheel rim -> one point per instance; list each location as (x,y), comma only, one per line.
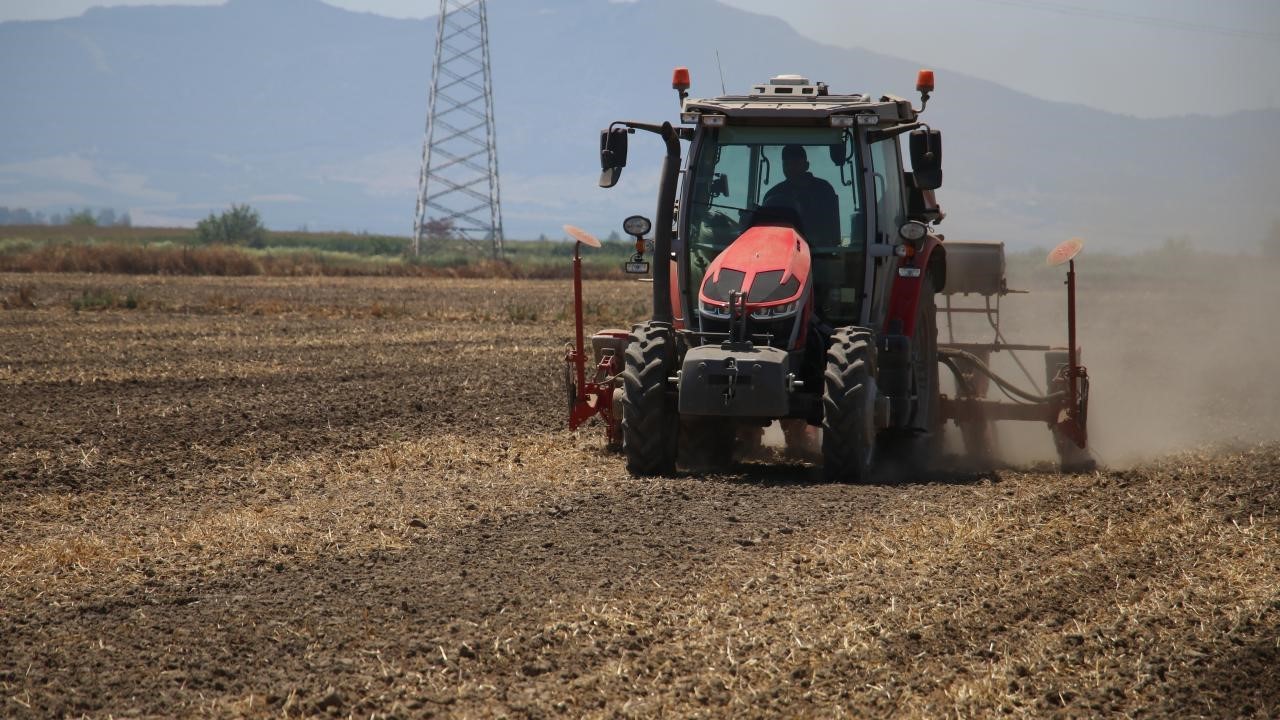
(571,388)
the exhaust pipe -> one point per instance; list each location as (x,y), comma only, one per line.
(663,220)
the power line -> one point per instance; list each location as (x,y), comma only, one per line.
(1147,20)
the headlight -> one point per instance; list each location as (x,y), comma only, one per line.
(636,225)
(913,231)
(766,313)
(720,311)
(777,311)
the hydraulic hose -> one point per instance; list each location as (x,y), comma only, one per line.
(1003,384)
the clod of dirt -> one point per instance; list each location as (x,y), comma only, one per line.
(332,699)
(417,523)
(537,667)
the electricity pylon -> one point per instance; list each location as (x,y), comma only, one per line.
(458,195)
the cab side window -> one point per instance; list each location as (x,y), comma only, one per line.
(729,184)
(720,196)
(891,209)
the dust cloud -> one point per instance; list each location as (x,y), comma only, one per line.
(1183,352)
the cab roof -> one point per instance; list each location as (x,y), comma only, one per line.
(794,98)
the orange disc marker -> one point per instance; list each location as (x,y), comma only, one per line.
(582,236)
(1065,252)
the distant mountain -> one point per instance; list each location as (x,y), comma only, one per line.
(315,115)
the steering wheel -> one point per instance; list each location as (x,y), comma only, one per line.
(721,224)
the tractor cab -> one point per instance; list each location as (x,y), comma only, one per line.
(791,154)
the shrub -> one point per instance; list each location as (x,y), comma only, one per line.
(83,218)
(241,225)
(438,228)
(103,299)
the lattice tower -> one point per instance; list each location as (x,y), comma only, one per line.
(459,177)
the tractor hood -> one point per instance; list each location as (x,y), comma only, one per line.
(769,265)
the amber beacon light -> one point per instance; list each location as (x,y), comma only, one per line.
(924,81)
(680,79)
(924,85)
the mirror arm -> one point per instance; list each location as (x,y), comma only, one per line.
(874,136)
(664,218)
(682,133)
(633,125)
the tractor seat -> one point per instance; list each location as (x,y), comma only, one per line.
(777,215)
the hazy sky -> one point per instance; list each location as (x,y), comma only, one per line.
(1139,57)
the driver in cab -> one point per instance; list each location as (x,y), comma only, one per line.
(811,197)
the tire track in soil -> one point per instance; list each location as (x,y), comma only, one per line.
(335,404)
(504,581)
(484,620)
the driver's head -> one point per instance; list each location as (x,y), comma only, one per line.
(795,161)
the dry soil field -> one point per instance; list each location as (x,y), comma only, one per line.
(355,497)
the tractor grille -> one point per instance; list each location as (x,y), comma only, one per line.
(779,331)
(718,288)
(768,287)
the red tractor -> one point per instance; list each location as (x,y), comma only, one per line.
(796,271)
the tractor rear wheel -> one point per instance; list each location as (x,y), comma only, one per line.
(928,392)
(914,448)
(650,421)
(848,401)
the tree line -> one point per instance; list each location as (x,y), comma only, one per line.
(102,217)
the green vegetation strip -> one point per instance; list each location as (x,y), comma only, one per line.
(170,251)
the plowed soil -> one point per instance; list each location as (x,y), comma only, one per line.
(357,498)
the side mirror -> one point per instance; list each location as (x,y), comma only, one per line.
(719,185)
(613,155)
(841,156)
(926,158)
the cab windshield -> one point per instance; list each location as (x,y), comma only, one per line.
(806,176)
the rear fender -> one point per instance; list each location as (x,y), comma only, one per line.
(909,288)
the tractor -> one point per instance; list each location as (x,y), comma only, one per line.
(796,271)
